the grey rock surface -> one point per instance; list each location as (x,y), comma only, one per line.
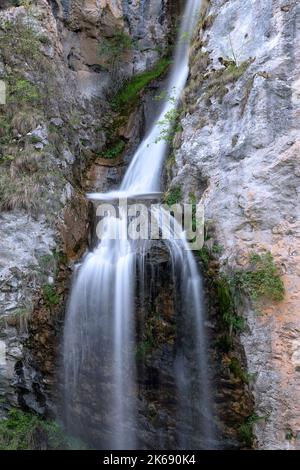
(239,153)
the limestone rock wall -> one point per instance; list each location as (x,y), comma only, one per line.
(239,152)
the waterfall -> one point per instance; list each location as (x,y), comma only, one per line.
(101,377)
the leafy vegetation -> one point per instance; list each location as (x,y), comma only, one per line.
(216,81)
(22,39)
(168,126)
(290,435)
(51,297)
(25,431)
(21,91)
(115,150)
(173,196)
(209,82)
(156,332)
(228,301)
(262,280)
(129,93)
(204,256)
(246,429)
(237,370)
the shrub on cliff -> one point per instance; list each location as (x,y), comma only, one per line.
(25,431)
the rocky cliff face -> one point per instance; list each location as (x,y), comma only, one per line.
(61,62)
(239,152)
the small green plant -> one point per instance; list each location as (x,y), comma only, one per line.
(165,96)
(237,370)
(168,126)
(20,38)
(217,80)
(204,256)
(217,249)
(25,431)
(246,429)
(51,297)
(171,161)
(289,435)
(228,301)
(115,150)
(173,196)
(262,280)
(48,264)
(21,91)
(34,139)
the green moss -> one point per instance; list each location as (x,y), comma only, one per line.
(173,196)
(155,333)
(115,150)
(262,280)
(50,295)
(25,431)
(129,93)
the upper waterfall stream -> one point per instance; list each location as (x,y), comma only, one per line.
(111,292)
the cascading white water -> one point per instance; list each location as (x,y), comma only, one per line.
(99,339)
(144,173)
